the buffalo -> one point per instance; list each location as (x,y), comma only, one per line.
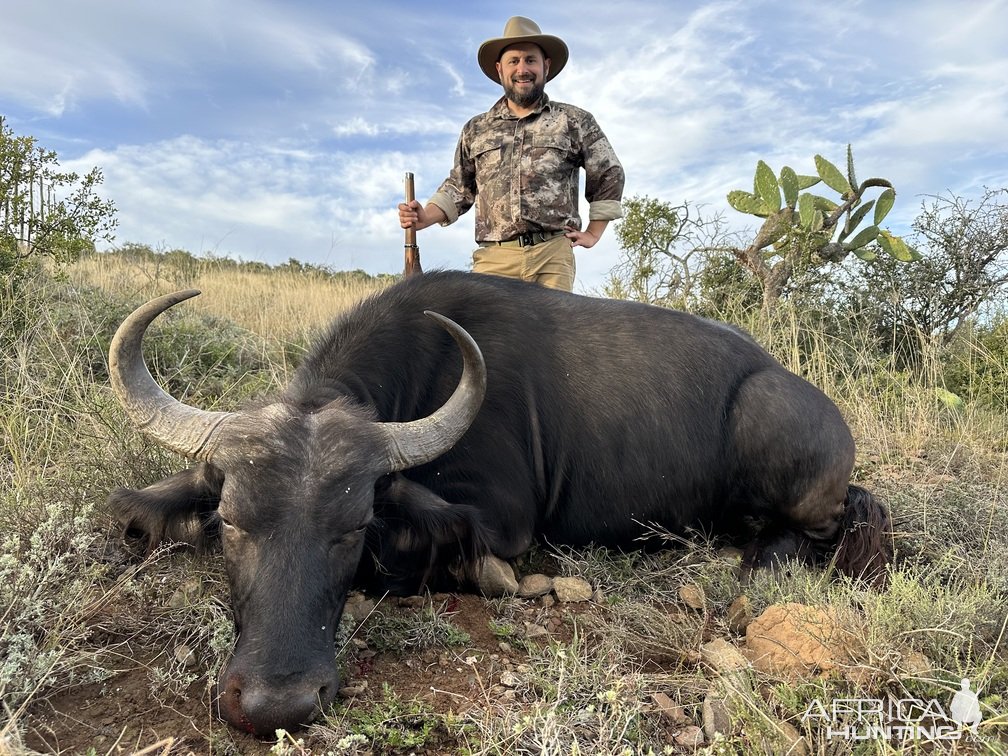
(454,417)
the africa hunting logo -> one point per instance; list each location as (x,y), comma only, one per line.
(857,719)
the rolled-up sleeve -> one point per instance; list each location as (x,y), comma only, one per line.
(604,176)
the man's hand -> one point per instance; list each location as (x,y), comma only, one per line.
(584,238)
(416,216)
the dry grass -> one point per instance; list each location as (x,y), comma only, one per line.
(281,306)
(69,604)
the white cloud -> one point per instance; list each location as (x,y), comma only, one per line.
(277,130)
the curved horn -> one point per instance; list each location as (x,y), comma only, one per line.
(177,426)
(417,442)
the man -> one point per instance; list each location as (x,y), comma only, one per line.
(519,164)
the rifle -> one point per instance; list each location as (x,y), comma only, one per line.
(411,251)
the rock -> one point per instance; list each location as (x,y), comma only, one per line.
(739,614)
(534,586)
(598,597)
(411,602)
(723,656)
(510,680)
(690,736)
(359,610)
(693,596)
(570,590)
(792,741)
(798,639)
(496,578)
(670,709)
(354,689)
(533,630)
(716,716)
(186,594)
(185,656)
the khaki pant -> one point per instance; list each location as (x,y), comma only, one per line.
(549,263)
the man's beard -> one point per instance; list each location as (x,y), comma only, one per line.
(524,99)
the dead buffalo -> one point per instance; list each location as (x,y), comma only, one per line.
(395,454)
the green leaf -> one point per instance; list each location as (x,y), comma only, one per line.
(864,236)
(855,218)
(806,210)
(766,186)
(851,178)
(789,183)
(818,220)
(897,248)
(864,253)
(824,204)
(884,205)
(831,176)
(807,182)
(745,202)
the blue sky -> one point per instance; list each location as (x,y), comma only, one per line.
(268,130)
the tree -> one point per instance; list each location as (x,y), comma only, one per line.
(665,248)
(799,228)
(45,212)
(964,266)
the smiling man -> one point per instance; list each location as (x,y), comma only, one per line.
(520,163)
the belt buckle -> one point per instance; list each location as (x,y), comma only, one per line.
(525,239)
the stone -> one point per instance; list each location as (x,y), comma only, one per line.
(669,708)
(411,602)
(690,736)
(185,656)
(722,656)
(534,586)
(792,741)
(716,717)
(693,596)
(496,578)
(354,689)
(359,610)
(570,590)
(510,679)
(533,630)
(739,614)
(797,639)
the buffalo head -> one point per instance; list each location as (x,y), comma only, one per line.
(292,490)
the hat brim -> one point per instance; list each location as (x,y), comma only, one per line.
(553,48)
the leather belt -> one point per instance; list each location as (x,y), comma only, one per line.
(524,240)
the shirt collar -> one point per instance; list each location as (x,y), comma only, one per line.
(501,110)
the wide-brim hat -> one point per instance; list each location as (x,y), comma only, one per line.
(519,29)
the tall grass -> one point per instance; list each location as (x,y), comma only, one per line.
(282,306)
(70,599)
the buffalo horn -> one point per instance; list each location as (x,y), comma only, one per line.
(177,426)
(420,441)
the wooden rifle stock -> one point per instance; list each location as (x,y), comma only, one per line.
(411,252)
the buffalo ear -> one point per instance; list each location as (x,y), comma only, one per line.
(180,508)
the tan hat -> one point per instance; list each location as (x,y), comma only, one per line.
(520,29)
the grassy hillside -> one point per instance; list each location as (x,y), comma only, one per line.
(108,650)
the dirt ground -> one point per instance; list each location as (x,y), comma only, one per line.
(122,715)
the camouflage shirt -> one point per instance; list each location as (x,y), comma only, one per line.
(522,173)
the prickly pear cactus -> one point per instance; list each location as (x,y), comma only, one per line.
(809,228)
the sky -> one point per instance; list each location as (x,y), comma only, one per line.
(266,130)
